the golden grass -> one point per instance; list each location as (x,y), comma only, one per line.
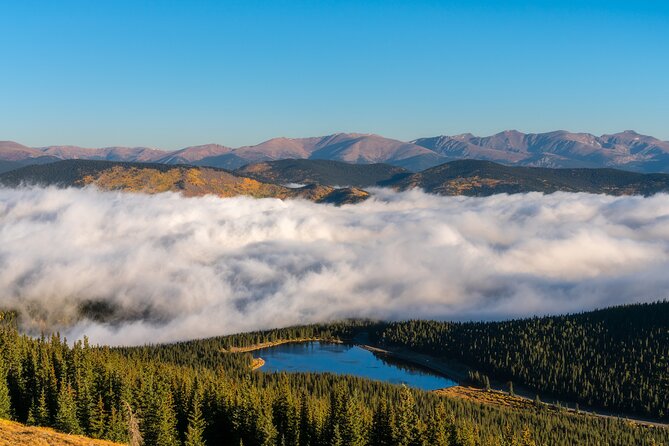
(492,397)
(250,348)
(16,434)
(257,363)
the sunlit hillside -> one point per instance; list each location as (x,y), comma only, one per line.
(16,434)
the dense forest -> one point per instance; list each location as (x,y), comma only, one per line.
(203,392)
(616,359)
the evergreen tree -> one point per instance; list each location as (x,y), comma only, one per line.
(352,429)
(382,426)
(285,414)
(196,424)
(438,432)
(527,438)
(406,420)
(166,429)
(66,416)
(5,402)
(306,434)
(266,434)
(98,420)
(336,437)
(41,411)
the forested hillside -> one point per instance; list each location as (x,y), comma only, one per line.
(483,178)
(616,358)
(152,178)
(199,392)
(326,172)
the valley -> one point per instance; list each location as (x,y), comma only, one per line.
(208,382)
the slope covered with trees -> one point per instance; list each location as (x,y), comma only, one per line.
(198,392)
(483,178)
(154,178)
(616,358)
(331,173)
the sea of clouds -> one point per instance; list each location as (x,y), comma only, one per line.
(154,268)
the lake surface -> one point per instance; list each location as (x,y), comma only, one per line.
(347,359)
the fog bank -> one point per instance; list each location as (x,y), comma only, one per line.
(132,268)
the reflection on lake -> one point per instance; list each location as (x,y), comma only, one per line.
(348,359)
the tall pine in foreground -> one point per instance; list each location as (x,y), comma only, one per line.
(196,424)
(5,402)
(66,417)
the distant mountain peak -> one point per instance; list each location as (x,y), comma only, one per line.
(560,148)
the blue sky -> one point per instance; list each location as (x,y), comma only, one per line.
(174,73)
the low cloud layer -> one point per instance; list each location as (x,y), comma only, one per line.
(131,268)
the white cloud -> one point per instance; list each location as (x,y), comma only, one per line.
(171,268)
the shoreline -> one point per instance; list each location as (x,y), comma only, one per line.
(252,348)
(456,371)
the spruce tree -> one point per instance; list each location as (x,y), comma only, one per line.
(266,434)
(382,426)
(98,420)
(406,420)
(196,424)
(41,413)
(352,429)
(305,423)
(166,434)
(336,438)
(66,416)
(5,402)
(438,428)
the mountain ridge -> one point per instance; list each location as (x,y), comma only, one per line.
(334,182)
(627,150)
(152,178)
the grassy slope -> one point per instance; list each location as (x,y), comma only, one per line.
(16,434)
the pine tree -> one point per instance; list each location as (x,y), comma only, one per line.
(406,421)
(527,437)
(66,416)
(285,415)
(5,402)
(382,426)
(305,423)
(166,429)
(97,420)
(196,424)
(352,429)
(41,412)
(438,429)
(266,434)
(336,438)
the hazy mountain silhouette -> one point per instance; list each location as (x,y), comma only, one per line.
(626,150)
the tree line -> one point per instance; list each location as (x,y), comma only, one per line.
(616,358)
(195,393)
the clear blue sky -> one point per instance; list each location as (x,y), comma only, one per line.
(175,73)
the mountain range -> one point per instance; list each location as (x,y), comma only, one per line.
(626,150)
